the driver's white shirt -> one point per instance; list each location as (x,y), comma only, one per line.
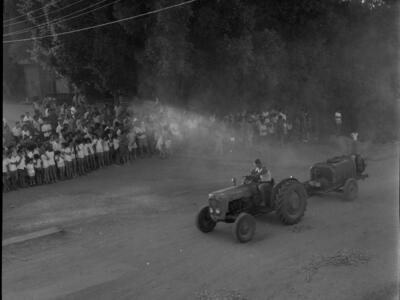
(264,173)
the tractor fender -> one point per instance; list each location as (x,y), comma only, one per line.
(276,188)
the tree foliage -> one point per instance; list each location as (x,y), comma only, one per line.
(321,56)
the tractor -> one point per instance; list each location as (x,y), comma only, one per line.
(239,204)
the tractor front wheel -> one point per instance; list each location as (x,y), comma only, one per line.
(204,222)
(350,189)
(244,227)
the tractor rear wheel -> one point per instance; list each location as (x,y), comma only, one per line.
(292,202)
(350,189)
(244,227)
(204,222)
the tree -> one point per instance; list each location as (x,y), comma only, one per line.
(318,55)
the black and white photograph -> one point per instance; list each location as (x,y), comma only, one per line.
(201,150)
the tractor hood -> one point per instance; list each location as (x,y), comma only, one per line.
(234,192)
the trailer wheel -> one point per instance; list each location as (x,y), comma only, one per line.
(292,202)
(350,189)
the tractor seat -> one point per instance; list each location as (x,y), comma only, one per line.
(272,182)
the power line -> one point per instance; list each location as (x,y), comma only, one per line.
(103,24)
(58,20)
(22,16)
(58,9)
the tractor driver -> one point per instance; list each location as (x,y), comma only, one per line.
(264,179)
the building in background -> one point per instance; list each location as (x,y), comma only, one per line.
(39,82)
(22,76)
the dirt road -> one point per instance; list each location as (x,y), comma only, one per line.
(130,234)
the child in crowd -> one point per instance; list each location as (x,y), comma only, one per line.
(140,131)
(116,154)
(55,143)
(58,157)
(30,168)
(132,145)
(38,168)
(80,157)
(124,150)
(12,167)
(52,164)
(160,145)
(74,164)
(66,150)
(46,166)
(99,151)
(25,133)
(92,158)
(29,152)
(21,168)
(6,187)
(85,149)
(106,150)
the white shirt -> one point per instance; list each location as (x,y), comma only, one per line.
(60,162)
(140,132)
(106,146)
(99,146)
(21,163)
(12,163)
(16,131)
(46,129)
(50,155)
(45,161)
(86,149)
(73,156)
(91,147)
(58,129)
(67,154)
(5,165)
(263,129)
(31,169)
(116,143)
(265,174)
(25,133)
(56,145)
(132,140)
(338,117)
(27,119)
(80,153)
(38,163)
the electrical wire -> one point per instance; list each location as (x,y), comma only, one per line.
(23,16)
(61,19)
(102,24)
(39,16)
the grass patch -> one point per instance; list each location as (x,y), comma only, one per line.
(220,295)
(340,258)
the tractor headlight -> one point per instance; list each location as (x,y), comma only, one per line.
(217,211)
(211,210)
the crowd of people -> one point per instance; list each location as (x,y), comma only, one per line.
(61,142)
(245,130)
